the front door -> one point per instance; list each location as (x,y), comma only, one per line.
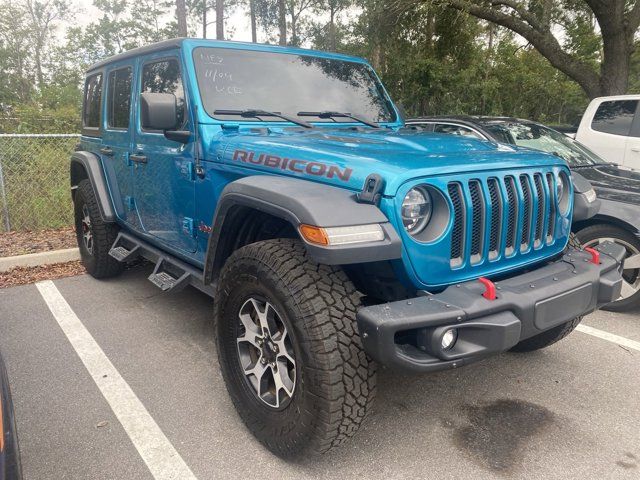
(164,182)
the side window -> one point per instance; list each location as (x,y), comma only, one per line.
(615,117)
(119,98)
(164,77)
(455,130)
(92,97)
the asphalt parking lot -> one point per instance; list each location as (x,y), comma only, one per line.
(570,411)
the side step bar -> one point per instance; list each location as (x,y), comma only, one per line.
(170,273)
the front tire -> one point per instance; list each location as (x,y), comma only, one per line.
(549,337)
(281,316)
(95,236)
(592,236)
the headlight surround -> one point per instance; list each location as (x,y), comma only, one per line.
(416,211)
(563,197)
(560,188)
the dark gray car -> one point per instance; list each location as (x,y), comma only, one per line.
(617,187)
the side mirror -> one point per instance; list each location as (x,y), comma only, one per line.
(158,111)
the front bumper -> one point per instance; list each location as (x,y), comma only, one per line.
(407,334)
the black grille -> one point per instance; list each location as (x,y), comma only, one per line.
(496,216)
(477,222)
(491,208)
(512,219)
(542,202)
(457,235)
(551,228)
(526,221)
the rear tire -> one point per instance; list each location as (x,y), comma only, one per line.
(95,236)
(330,380)
(592,235)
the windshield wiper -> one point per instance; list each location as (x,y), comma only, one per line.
(357,118)
(256,113)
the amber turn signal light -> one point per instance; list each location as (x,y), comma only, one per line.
(314,234)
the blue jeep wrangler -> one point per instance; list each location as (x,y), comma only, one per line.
(283,182)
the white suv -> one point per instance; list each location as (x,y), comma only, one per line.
(611,128)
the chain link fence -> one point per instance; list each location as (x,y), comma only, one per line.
(34,181)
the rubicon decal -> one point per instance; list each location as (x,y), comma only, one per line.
(318,169)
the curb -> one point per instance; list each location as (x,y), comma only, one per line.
(37,259)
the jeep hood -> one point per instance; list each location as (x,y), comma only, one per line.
(345,157)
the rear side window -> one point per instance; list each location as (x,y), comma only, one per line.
(92,97)
(164,77)
(119,98)
(615,117)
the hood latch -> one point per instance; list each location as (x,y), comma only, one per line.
(371,192)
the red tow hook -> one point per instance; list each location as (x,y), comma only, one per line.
(595,255)
(489,288)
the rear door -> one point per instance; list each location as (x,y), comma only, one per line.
(117,139)
(164,181)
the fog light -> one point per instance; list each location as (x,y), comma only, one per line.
(449,338)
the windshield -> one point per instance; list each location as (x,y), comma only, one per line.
(536,136)
(231,79)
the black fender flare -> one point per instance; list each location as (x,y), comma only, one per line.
(87,165)
(303,202)
(583,207)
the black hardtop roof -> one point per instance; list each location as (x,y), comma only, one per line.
(154,47)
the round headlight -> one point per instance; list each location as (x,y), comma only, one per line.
(560,188)
(416,210)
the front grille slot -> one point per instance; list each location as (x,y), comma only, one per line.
(458,232)
(477,220)
(551,227)
(501,217)
(512,219)
(542,202)
(527,206)
(496,217)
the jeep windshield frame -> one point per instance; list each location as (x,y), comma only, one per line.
(288,82)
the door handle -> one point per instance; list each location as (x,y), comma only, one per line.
(135,157)
(106,151)
(635,149)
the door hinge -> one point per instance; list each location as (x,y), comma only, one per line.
(130,203)
(187,226)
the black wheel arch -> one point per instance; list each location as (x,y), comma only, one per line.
(86,165)
(287,203)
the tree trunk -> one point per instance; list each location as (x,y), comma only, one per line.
(282,22)
(252,14)
(204,18)
(219,19)
(294,30)
(333,43)
(181,14)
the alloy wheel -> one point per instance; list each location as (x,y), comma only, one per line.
(87,234)
(631,267)
(266,353)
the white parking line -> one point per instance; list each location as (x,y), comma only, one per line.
(625,342)
(161,458)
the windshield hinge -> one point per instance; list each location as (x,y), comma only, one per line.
(371,191)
